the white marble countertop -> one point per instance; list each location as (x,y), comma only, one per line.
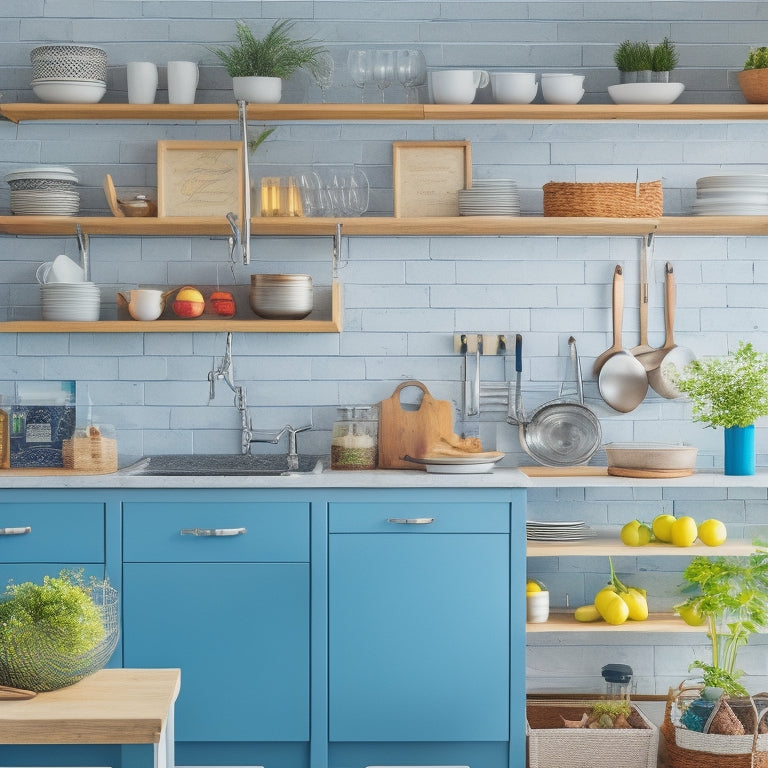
(500,477)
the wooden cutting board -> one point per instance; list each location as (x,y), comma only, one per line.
(411,433)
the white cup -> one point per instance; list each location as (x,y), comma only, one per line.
(142,82)
(457,86)
(537,607)
(182,82)
(562,88)
(513,87)
(145,304)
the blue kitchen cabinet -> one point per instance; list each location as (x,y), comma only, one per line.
(419,622)
(231,610)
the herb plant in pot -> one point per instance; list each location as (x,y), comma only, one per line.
(664,58)
(258,67)
(753,79)
(730,392)
(634,61)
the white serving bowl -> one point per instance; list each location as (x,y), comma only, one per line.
(645,93)
(69,91)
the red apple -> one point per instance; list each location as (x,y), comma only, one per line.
(189,302)
(223,303)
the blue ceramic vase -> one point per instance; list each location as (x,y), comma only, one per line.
(740,450)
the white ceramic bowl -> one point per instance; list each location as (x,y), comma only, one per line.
(281,297)
(69,91)
(651,456)
(645,93)
(514,87)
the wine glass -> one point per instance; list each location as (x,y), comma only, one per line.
(359,66)
(323,72)
(383,70)
(411,70)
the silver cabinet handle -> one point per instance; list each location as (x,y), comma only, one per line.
(15,531)
(411,520)
(212,531)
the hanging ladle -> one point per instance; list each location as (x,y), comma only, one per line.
(622,379)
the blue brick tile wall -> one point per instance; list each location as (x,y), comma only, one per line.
(405,297)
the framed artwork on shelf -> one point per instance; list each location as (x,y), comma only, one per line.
(427,176)
(199,178)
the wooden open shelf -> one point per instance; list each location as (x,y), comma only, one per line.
(332,323)
(396,112)
(613,546)
(656,622)
(384,226)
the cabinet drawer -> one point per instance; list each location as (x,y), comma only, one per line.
(419,518)
(260,532)
(66,532)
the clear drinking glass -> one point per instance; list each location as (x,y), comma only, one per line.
(359,66)
(383,70)
(411,71)
(323,73)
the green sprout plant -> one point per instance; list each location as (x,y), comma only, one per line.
(727,391)
(664,56)
(275,55)
(732,596)
(757,58)
(632,56)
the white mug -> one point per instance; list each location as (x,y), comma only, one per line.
(182,82)
(514,87)
(457,86)
(145,304)
(142,82)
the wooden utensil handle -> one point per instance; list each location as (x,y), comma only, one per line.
(670,299)
(618,304)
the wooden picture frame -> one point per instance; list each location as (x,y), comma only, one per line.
(426,177)
(199,178)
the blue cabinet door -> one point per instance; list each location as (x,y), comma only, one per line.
(419,636)
(240,634)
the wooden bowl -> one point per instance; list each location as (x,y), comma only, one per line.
(651,456)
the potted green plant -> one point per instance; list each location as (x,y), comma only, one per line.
(258,66)
(753,79)
(634,61)
(664,58)
(729,392)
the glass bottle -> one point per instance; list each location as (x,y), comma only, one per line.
(354,441)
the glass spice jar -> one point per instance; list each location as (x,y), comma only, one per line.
(354,441)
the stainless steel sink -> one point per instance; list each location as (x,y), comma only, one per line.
(222,465)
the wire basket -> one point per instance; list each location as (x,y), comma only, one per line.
(607,199)
(34,662)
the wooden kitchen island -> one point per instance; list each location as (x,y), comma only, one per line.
(112,706)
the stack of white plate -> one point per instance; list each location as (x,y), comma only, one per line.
(281,297)
(743,194)
(558,531)
(490,197)
(70,301)
(44,190)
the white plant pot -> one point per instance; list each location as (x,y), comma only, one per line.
(258,90)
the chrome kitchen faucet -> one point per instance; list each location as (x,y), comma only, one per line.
(225,372)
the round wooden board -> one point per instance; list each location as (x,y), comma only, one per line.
(649,473)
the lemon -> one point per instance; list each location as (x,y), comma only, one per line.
(636,603)
(587,613)
(691,615)
(683,531)
(662,527)
(635,534)
(611,607)
(531,587)
(712,532)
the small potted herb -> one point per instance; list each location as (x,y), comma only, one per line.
(753,79)
(258,66)
(634,61)
(664,58)
(730,392)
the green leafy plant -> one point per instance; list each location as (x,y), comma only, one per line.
(727,391)
(732,595)
(633,57)
(254,144)
(664,57)
(757,59)
(275,55)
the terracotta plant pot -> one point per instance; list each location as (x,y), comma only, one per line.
(754,85)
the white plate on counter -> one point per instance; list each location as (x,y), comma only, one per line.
(458,465)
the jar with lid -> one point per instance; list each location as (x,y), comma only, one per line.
(354,441)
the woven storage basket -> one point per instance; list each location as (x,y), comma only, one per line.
(93,454)
(754,85)
(550,745)
(691,749)
(608,199)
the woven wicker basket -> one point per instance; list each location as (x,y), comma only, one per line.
(754,85)
(608,199)
(691,749)
(92,454)
(550,745)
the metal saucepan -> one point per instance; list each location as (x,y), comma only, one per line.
(622,380)
(674,358)
(560,433)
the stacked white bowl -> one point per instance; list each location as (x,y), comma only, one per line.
(65,294)
(44,190)
(69,74)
